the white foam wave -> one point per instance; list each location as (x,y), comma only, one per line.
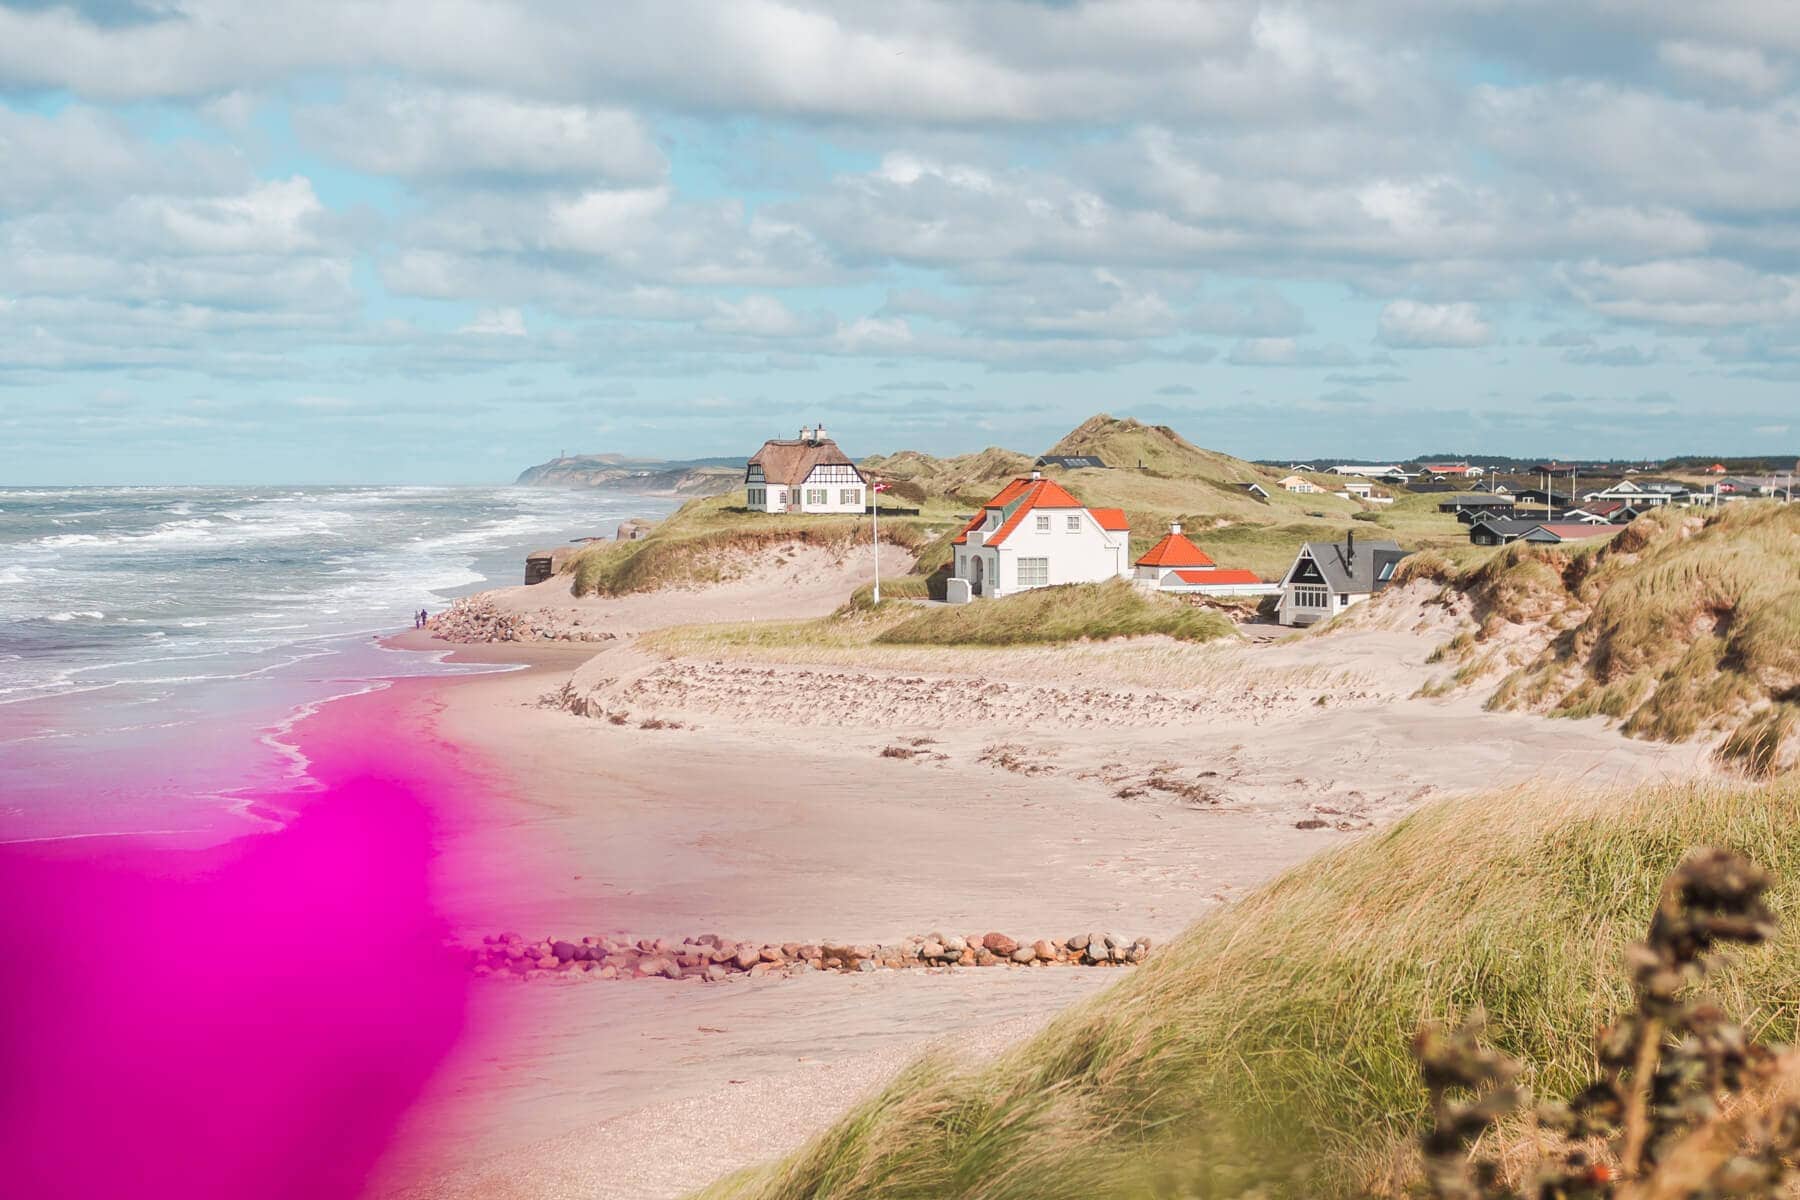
(72,616)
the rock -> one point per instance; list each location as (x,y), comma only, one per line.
(716,973)
(833,963)
(867,964)
(967,959)
(747,957)
(955,943)
(1311,823)
(563,951)
(512,939)
(1113,942)
(1078,942)
(1094,953)
(1024,954)
(999,943)
(608,972)
(932,951)
(548,962)
(790,949)
(987,958)
(761,969)
(1045,951)
(771,954)
(670,968)
(811,953)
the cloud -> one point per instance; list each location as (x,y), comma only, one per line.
(1408,324)
(497,322)
(1286,352)
(1177,389)
(433,133)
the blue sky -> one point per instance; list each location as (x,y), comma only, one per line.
(439,242)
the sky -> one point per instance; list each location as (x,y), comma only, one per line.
(356,240)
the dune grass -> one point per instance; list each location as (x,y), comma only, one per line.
(709,540)
(1266,1050)
(1069,613)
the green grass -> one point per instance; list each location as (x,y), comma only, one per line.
(1070,613)
(707,540)
(1265,1051)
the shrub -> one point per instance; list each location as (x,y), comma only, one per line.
(1071,612)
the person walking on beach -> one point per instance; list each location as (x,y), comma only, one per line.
(424,618)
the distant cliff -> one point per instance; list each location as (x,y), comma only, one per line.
(690,477)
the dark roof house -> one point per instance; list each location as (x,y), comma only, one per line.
(1070,462)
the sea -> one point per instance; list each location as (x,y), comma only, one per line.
(157,644)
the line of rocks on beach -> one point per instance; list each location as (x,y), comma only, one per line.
(473,619)
(713,959)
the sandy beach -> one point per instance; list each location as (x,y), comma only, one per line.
(1043,792)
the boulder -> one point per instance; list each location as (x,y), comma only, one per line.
(1078,942)
(747,957)
(932,951)
(1024,954)
(608,972)
(811,953)
(716,973)
(867,964)
(563,951)
(955,943)
(1000,944)
(987,958)
(1045,951)
(771,954)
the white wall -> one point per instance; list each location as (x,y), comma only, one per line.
(822,479)
(1088,555)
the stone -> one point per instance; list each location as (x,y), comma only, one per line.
(1078,942)
(867,964)
(1119,953)
(1024,954)
(563,951)
(832,963)
(716,974)
(790,949)
(1135,954)
(967,959)
(1095,952)
(670,968)
(747,957)
(709,939)
(771,954)
(724,954)
(932,950)
(987,958)
(547,962)
(512,939)
(955,943)
(811,953)
(999,943)
(1045,951)
(608,972)
(1113,941)
(761,969)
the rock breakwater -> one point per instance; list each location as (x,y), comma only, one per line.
(475,619)
(714,959)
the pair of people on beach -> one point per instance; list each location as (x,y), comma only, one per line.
(419,619)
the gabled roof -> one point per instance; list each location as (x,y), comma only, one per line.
(1022,496)
(1175,550)
(1565,531)
(1218,576)
(1070,462)
(1366,567)
(788,461)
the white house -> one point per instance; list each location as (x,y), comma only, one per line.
(1300,485)
(1034,534)
(1327,578)
(808,474)
(1365,491)
(1175,564)
(1387,471)
(1639,495)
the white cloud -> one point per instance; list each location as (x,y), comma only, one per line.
(1409,324)
(433,133)
(497,322)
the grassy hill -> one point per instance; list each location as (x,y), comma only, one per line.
(1687,624)
(1265,1051)
(1203,489)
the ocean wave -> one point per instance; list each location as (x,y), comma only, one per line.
(72,616)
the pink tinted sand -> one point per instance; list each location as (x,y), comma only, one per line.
(247,1020)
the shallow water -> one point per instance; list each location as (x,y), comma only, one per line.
(157,642)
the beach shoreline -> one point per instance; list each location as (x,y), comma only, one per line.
(672,807)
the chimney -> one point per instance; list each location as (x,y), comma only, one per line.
(1350,555)
(1174,526)
(819,434)
(805,434)
(1037,474)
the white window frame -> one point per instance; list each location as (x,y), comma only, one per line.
(1043,523)
(1312,596)
(759,497)
(1073,524)
(818,497)
(1033,572)
(850,496)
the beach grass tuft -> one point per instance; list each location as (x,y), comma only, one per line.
(1265,1051)
(1068,613)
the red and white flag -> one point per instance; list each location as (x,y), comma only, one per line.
(880,487)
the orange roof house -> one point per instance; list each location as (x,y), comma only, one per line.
(1034,533)
(1175,564)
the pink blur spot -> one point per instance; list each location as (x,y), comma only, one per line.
(245,1021)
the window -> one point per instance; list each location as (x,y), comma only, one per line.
(1043,524)
(759,497)
(816,497)
(1307,597)
(1074,523)
(850,496)
(1034,572)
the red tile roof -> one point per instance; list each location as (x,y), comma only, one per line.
(1175,551)
(1022,496)
(1218,576)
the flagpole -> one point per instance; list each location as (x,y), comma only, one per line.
(875,538)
